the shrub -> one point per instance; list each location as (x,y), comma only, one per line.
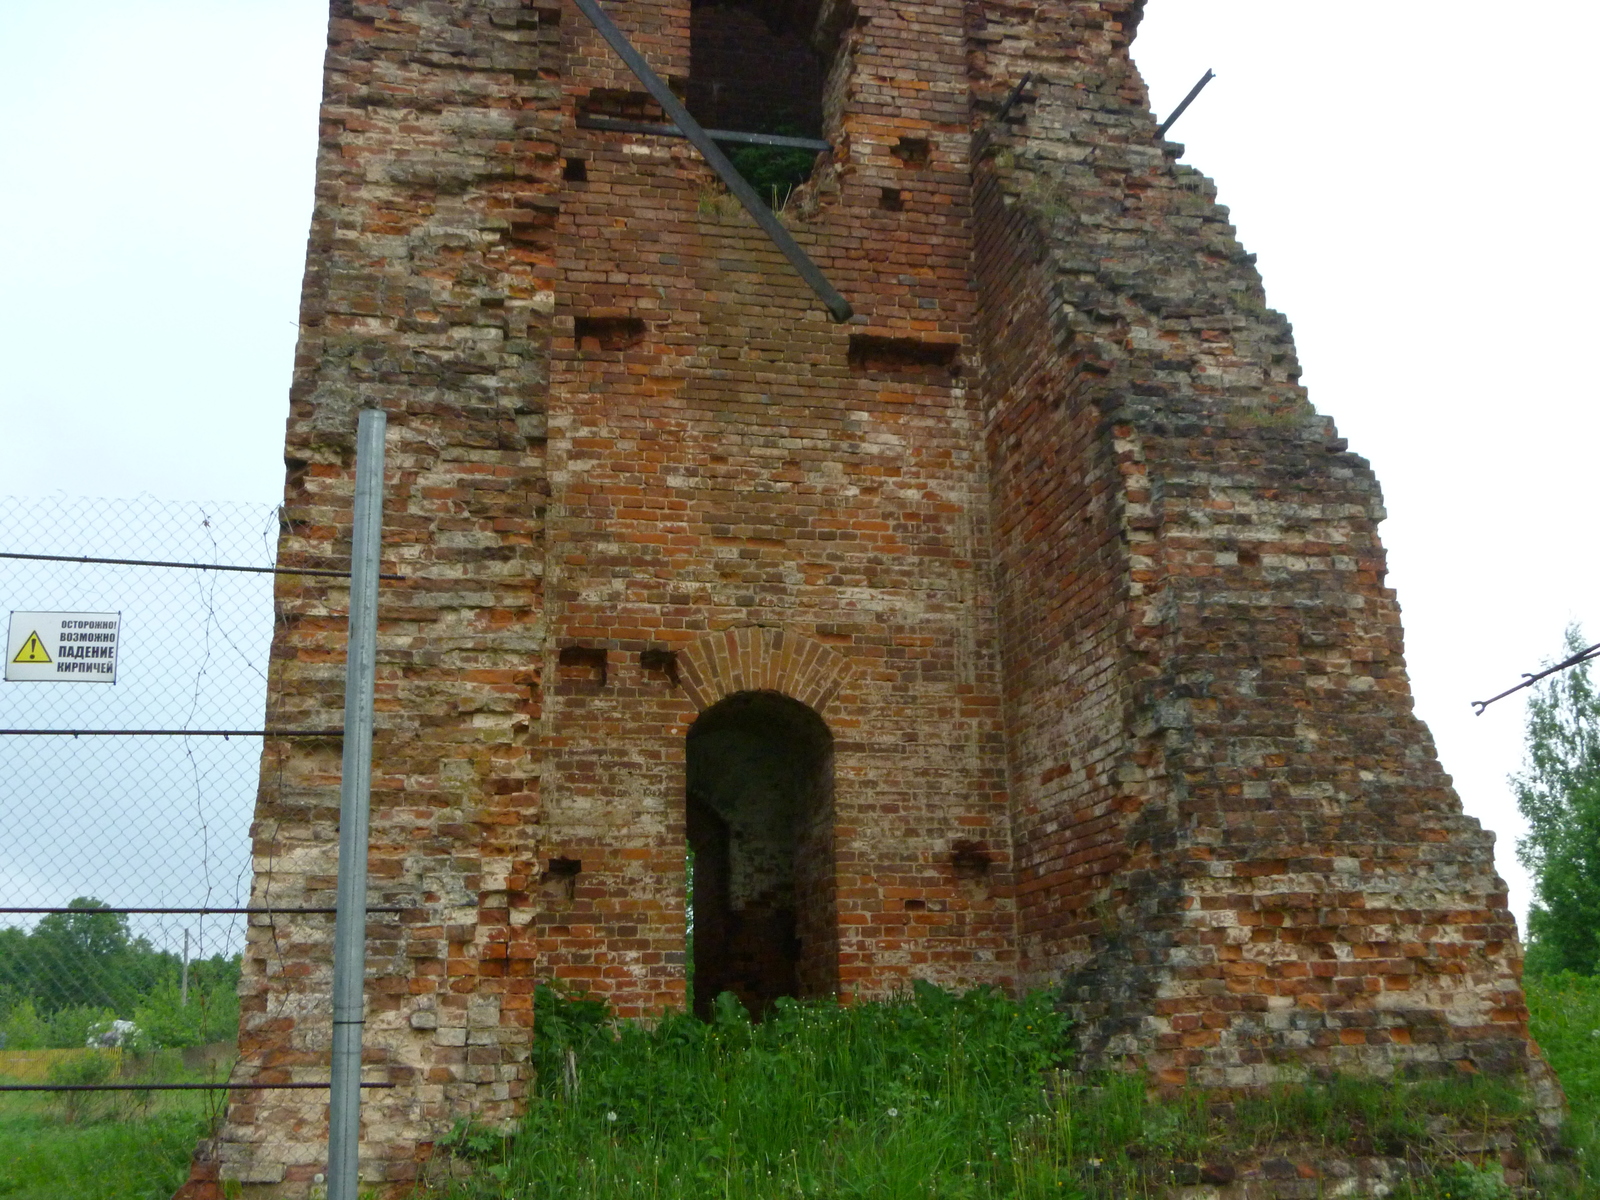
(211,1015)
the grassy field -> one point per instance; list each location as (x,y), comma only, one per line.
(101,1146)
(930,1096)
(145,1157)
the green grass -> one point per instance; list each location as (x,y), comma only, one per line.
(1566,1023)
(927,1096)
(128,1155)
(102,1145)
(818,1100)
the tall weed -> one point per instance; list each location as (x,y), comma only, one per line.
(932,1094)
(927,1096)
(1564,1012)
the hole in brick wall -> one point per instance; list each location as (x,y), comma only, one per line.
(901,356)
(560,880)
(614,102)
(545,12)
(584,666)
(916,905)
(533,220)
(575,171)
(970,859)
(664,661)
(759,823)
(607,333)
(913,152)
(1249,558)
(892,199)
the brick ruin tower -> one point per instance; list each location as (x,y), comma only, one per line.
(1027,629)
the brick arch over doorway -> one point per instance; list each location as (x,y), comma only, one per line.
(755,658)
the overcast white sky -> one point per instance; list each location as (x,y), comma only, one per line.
(1417,178)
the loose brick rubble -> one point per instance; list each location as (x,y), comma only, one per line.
(1089,598)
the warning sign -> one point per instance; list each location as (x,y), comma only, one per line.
(32,651)
(63,647)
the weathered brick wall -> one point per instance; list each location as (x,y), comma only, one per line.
(1235,846)
(427,292)
(1089,599)
(633,469)
(726,464)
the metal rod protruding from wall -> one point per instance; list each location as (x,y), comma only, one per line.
(355,787)
(1161,130)
(678,115)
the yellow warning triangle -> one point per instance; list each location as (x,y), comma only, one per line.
(32,651)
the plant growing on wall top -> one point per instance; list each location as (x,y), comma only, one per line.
(774,171)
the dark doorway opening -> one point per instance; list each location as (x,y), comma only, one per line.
(760,827)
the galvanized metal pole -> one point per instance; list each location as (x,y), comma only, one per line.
(350,923)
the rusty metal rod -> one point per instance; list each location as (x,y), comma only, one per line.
(194,912)
(1581,656)
(222,733)
(1012,97)
(613,125)
(165,1087)
(150,562)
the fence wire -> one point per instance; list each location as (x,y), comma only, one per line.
(127,821)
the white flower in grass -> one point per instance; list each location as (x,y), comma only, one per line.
(611,1116)
(894,1112)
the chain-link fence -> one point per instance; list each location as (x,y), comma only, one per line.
(144,806)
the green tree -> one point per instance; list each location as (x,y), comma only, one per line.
(210,1013)
(86,957)
(1558,792)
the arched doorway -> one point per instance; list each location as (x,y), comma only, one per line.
(760,826)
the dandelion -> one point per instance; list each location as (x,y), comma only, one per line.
(611,1116)
(894,1112)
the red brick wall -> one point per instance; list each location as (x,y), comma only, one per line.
(1065,590)
(1235,847)
(1089,598)
(426,292)
(733,470)
(620,425)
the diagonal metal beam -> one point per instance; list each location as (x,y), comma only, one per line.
(1161,130)
(838,307)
